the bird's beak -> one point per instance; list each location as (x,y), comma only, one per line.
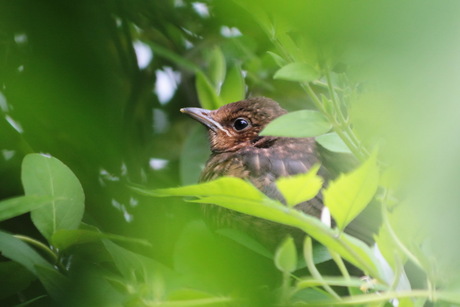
(204,116)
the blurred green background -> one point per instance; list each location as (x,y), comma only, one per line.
(99,85)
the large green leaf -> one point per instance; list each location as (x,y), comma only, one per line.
(206,93)
(47,176)
(300,72)
(234,88)
(304,123)
(300,188)
(349,194)
(12,207)
(239,195)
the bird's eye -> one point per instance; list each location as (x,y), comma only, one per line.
(241,124)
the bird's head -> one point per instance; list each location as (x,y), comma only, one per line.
(238,124)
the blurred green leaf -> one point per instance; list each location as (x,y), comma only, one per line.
(21,253)
(54,282)
(332,142)
(217,68)
(206,93)
(132,265)
(304,123)
(47,176)
(349,194)
(15,278)
(178,59)
(194,154)
(191,297)
(299,72)
(286,256)
(234,87)
(12,207)
(64,238)
(299,188)
(246,240)
(278,60)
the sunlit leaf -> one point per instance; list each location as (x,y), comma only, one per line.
(299,72)
(206,93)
(286,256)
(332,142)
(10,208)
(349,194)
(300,188)
(231,187)
(305,123)
(47,176)
(239,195)
(234,88)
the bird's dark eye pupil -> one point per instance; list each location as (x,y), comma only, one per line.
(240,124)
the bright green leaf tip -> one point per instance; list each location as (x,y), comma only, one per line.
(286,256)
(349,194)
(300,188)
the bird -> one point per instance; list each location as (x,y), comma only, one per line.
(239,150)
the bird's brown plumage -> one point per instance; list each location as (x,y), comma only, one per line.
(238,150)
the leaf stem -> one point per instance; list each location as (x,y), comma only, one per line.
(308,254)
(39,245)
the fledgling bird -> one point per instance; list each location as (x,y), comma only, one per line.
(239,150)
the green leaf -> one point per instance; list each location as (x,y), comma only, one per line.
(286,256)
(349,194)
(206,92)
(217,68)
(236,194)
(246,240)
(234,87)
(194,154)
(12,207)
(333,142)
(63,239)
(304,123)
(300,188)
(177,59)
(54,282)
(278,60)
(225,187)
(20,252)
(239,195)
(15,278)
(47,176)
(132,265)
(299,72)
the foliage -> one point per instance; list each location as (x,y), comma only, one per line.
(109,216)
